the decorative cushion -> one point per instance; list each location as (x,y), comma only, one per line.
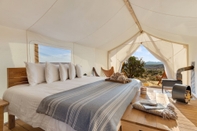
(72,72)
(63,69)
(119,77)
(35,73)
(115,76)
(79,71)
(122,78)
(51,72)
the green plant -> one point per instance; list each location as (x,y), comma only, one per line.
(133,67)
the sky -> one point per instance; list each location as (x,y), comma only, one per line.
(143,53)
(51,54)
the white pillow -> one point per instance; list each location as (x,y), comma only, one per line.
(79,71)
(51,72)
(72,72)
(35,73)
(63,68)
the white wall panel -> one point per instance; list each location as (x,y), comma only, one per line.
(101,61)
(8,37)
(85,56)
(13,53)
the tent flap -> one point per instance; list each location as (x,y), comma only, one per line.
(174,56)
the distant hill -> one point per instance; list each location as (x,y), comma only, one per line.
(153,63)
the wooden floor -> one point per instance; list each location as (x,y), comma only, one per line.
(21,126)
(188,110)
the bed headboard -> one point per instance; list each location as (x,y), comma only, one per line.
(16,76)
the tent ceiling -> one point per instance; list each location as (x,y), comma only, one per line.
(21,14)
(173,20)
(102,24)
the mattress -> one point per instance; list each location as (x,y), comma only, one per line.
(24,101)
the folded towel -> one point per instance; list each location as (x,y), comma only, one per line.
(166,113)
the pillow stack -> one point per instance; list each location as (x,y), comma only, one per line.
(79,71)
(51,72)
(35,73)
(63,69)
(38,73)
(72,71)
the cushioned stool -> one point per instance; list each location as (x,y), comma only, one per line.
(170,82)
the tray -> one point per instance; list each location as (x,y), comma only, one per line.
(123,82)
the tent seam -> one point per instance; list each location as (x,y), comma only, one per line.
(135,35)
(43,14)
(166,32)
(163,13)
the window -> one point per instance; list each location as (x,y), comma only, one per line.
(52,54)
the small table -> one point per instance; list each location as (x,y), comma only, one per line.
(136,120)
(2,105)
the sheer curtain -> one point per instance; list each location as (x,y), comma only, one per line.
(118,55)
(174,56)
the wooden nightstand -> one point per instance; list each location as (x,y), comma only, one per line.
(136,120)
(2,105)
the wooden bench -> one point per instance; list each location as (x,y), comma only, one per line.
(136,120)
(2,106)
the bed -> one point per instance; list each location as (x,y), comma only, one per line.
(24,100)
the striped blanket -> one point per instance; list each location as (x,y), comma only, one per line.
(97,106)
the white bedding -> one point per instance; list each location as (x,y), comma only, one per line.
(25,99)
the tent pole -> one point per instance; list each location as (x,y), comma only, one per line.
(129,7)
(119,46)
(189,76)
(138,33)
(164,39)
(27,46)
(108,60)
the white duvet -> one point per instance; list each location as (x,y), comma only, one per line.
(24,100)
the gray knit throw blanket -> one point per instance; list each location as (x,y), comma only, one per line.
(167,113)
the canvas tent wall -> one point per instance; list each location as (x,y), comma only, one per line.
(98,26)
(173,55)
(13,52)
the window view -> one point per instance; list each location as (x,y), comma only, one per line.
(144,66)
(52,54)
(143,53)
